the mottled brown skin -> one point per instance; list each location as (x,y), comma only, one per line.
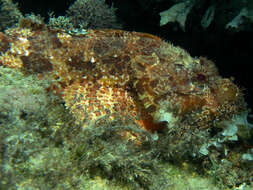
(150,70)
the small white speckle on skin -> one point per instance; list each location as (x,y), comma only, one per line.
(92,60)
(27,53)
(19,52)
(23,39)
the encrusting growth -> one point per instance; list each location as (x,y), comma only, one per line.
(118,73)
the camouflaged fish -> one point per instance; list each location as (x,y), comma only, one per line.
(121,74)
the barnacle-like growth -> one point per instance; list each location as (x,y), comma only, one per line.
(115,72)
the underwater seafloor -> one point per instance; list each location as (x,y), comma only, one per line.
(42,146)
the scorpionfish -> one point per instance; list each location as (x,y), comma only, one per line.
(121,74)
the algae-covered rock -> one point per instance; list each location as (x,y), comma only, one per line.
(42,148)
